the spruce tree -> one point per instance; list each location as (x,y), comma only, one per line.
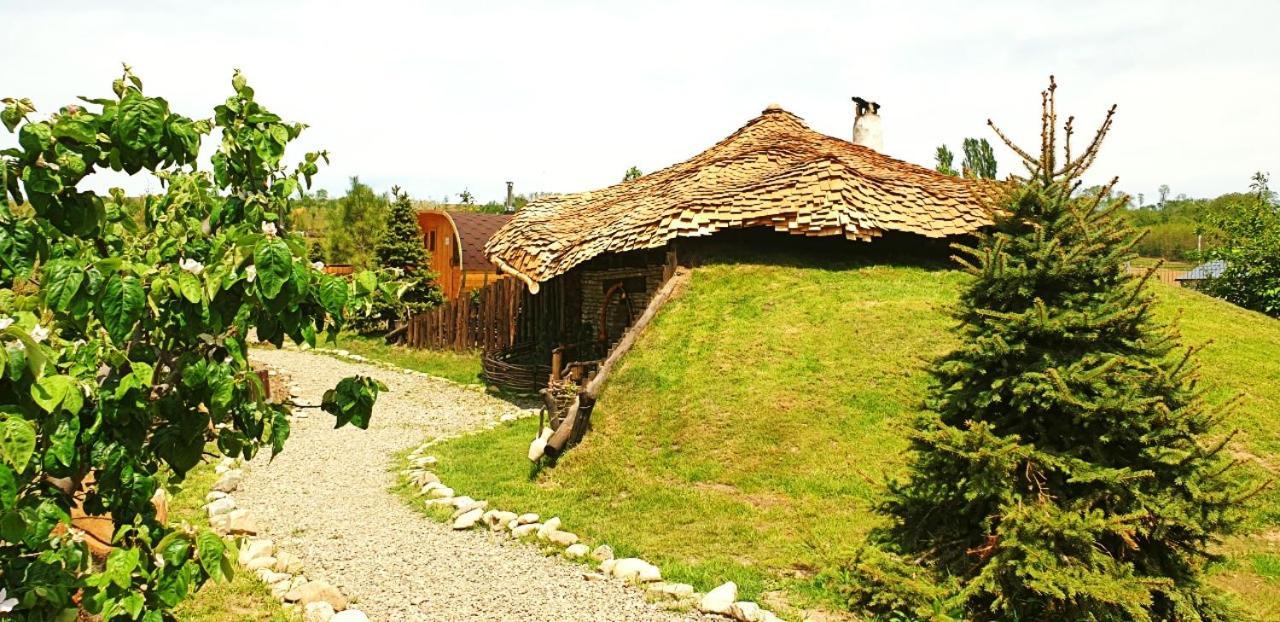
(400,248)
(1068,468)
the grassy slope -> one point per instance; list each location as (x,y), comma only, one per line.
(749,433)
(244,598)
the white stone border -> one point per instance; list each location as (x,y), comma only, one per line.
(469,513)
(316,600)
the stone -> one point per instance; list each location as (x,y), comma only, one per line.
(746,611)
(463,501)
(239,523)
(220,469)
(593,576)
(426,477)
(439,501)
(562,538)
(229,481)
(602,552)
(635,569)
(441,492)
(524,531)
(474,505)
(576,551)
(499,519)
(350,615)
(719,600)
(538,446)
(317,591)
(318,612)
(255,548)
(288,562)
(214,496)
(525,519)
(218,507)
(607,565)
(261,563)
(670,591)
(425,461)
(271,577)
(468,519)
(508,418)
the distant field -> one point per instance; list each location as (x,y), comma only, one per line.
(748,435)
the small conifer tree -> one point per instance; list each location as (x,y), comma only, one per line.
(1068,468)
(400,248)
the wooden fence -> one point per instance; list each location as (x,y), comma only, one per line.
(1168,276)
(489,318)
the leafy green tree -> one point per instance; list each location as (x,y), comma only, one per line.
(944,161)
(1246,228)
(979,159)
(465,197)
(124,337)
(359,217)
(632,173)
(1064,471)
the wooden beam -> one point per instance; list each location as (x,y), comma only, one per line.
(592,390)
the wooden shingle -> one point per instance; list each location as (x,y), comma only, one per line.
(773,172)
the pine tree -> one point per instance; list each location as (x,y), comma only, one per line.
(1067,469)
(400,248)
(400,245)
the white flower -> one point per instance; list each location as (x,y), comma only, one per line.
(251,272)
(191,265)
(6,604)
(5,322)
(318,265)
(39,333)
(268,228)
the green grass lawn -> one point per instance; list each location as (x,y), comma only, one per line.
(244,598)
(748,435)
(463,368)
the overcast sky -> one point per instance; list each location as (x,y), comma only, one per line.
(565,96)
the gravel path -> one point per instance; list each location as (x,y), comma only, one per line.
(326,500)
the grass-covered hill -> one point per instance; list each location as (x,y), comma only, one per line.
(750,432)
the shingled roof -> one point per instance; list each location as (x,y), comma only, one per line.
(474,229)
(773,172)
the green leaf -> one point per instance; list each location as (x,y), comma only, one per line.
(279,431)
(62,282)
(274,262)
(17,442)
(121,306)
(366,282)
(333,295)
(76,127)
(209,548)
(139,121)
(12,526)
(189,284)
(62,443)
(8,490)
(121,563)
(132,604)
(51,391)
(352,400)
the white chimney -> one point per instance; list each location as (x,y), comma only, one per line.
(866,124)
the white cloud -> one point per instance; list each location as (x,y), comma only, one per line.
(565,96)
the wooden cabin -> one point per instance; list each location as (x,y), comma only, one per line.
(591,261)
(455,240)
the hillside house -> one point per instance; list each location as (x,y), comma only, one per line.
(594,259)
(455,241)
